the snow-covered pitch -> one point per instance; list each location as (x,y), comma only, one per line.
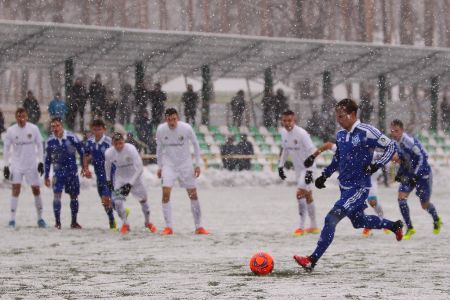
(258,213)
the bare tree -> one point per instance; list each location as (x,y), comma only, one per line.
(407,19)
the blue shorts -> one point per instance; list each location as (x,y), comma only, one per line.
(103,190)
(69,182)
(423,187)
(352,200)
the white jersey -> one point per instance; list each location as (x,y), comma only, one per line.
(25,143)
(173,146)
(128,164)
(299,145)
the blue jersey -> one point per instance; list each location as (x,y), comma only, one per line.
(354,151)
(414,158)
(61,154)
(97,153)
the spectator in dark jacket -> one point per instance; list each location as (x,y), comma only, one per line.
(157,99)
(97,96)
(244,147)
(125,104)
(190,101)
(365,107)
(143,126)
(141,98)
(76,104)
(281,105)
(238,108)
(445,113)
(110,107)
(32,108)
(228,149)
(268,109)
(2,122)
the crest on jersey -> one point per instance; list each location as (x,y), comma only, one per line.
(17,137)
(355,140)
(181,138)
(165,137)
(128,159)
(29,136)
(295,142)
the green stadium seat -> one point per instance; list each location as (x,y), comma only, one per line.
(219,138)
(213,129)
(431,149)
(259,139)
(317,141)
(439,140)
(233,130)
(264,148)
(257,167)
(200,137)
(273,130)
(277,138)
(253,130)
(204,147)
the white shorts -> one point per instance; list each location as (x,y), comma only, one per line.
(301,181)
(138,191)
(31,176)
(185,176)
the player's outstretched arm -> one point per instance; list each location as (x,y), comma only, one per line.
(310,160)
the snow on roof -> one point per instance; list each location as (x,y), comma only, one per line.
(175,53)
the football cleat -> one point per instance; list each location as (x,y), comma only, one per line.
(387,231)
(75,226)
(398,230)
(299,232)
(201,230)
(12,224)
(58,225)
(367,232)
(409,233)
(125,229)
(113,225)
(167,231)
(151,227)
(437,226)
(41,223)
(305,262)
(314,230)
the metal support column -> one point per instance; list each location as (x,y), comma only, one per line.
(206,93)
(68,76)
(268,81)
(328,129)
(434,102)
(382,103)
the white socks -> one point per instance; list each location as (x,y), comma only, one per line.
(146,211)
(302,212)
(14,201)
(312,214)
(167,212)
(39,206)
(120,209)
(196,212)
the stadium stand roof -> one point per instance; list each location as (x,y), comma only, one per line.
(174,53)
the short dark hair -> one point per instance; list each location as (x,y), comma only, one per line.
(288,113)
(397,122)
(117,136)
(98,122)
(170,111)
(56,119)
(20,110)
(348,105)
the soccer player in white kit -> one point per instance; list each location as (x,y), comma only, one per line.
(297,143)
(175,162)
(127,179)
(23,152)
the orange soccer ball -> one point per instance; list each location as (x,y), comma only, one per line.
(261,263)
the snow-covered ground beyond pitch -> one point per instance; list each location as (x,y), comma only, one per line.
(97,263)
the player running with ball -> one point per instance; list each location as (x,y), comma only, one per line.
(127,179)
(297,143)
(175,162)
(353,159)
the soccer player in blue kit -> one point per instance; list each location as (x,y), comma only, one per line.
(94,152)
(353,159)
(60,150)
(414,172)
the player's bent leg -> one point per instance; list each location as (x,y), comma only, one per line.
(335,215)
(107,205)
(361,220)
(15,192)
(167,210)
(146,211)
(311,207)
(430,208)
(74,207)
(196,211)
(39,206)
(57,209)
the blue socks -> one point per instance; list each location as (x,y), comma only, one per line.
(432,211)
(57,209)
(404,209)
(74,209)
